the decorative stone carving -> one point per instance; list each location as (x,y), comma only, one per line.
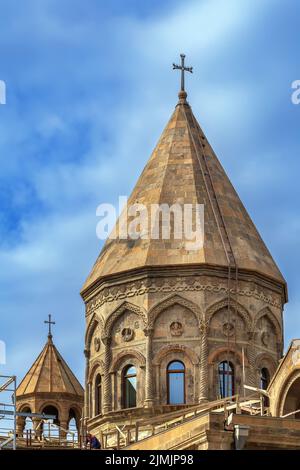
(266,332)
(265,338)
(165,350)
(176,328)
(203,327)
(127,334)
(96,366)
(149,397)
(110,294)
(107,397)
(266,320)
(203,373)
(95,323)
(126,353)
(171,302)
(236,310)
(97,344)
(228,329)
(125,306)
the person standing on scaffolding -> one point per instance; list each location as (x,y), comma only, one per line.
(92,442)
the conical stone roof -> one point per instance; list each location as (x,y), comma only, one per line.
(183,168)
(50,374)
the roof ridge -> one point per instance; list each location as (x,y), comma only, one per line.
(58,359)
(33,369)
(67,370)
(42,365)
(212,197)
(176,114)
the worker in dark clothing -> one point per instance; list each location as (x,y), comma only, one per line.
(92,442)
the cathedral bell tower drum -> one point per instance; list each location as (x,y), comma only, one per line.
(169,326)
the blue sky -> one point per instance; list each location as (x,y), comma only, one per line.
(89,89)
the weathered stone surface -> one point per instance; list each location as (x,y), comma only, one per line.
(284,388)
(151,301)
(50,382)
(184,169)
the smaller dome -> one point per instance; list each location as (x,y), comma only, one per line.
(50,374)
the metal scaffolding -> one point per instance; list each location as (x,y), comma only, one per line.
(8,386)
(9,414)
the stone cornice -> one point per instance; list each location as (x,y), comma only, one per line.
(178,270)
(50,396)
(175,281)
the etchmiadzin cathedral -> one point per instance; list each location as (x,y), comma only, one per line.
(183,349)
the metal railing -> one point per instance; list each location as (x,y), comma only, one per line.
(8,386)
(119,437)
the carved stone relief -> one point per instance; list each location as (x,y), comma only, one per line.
(176,328)
(127,334)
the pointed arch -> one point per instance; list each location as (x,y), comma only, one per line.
(214,355)
(98,366)
(216,306)
(95,321)
(118,312)
(24,406)
(158,308)
(266,311)
(77,410)
(127,353)
(265,358)
(53,403)
(165,350)
(284,389)
(76,407)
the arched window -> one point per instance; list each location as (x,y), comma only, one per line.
(28,425)
(176,383)
(52,410)
(73,424)
(226,379)
(46,430)
(129,387)
(291,401)
(98,395)
(264,378)
(264,382)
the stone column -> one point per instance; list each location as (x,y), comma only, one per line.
(63,422)
(107,395)
(149,395)
(203,370)
(63,429)
(20,425)
(86,409)
(251,376)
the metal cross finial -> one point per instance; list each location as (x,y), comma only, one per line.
(183,69)
(49,322)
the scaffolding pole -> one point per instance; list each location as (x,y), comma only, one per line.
(8,409)
(8,383)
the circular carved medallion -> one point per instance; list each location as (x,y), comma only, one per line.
(176,328)
(127,334)
(228,329)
